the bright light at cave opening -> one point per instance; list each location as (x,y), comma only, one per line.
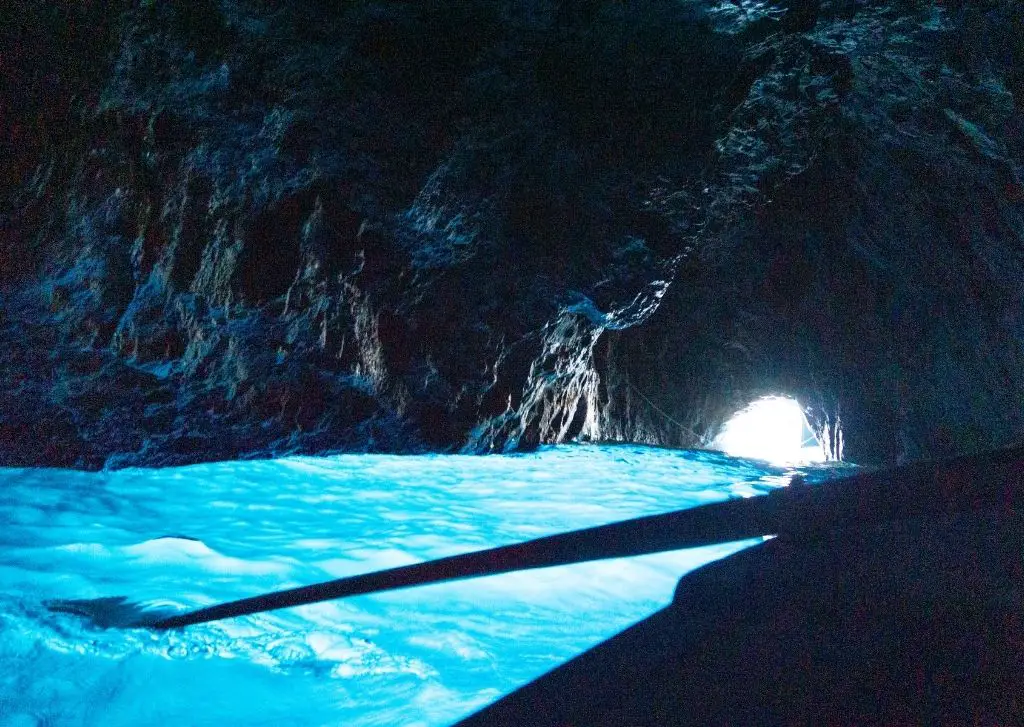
(773,429)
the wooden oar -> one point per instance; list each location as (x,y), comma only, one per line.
(994,480)
(706,525)
(991,481)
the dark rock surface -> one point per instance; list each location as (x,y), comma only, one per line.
(237,228)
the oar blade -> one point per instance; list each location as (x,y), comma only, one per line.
(113,612)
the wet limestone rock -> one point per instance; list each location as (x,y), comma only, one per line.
(242,229)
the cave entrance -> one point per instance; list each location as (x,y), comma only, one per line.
(772,428)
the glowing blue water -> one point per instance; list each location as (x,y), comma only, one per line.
(424,656)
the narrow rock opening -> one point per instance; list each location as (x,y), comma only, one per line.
(773,428)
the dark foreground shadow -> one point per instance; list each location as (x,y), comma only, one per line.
(903,623)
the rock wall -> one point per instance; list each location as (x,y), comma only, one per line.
(238,228)
(877,278)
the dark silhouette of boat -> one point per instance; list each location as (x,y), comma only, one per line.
(909,612)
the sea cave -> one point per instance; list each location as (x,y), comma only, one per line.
(597,362)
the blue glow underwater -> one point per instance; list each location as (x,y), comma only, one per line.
(193,536)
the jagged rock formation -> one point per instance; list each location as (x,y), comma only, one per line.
(242,228)
(876,276)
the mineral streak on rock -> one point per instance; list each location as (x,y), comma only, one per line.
(232,228)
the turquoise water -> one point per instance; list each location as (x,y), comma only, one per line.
(194,536)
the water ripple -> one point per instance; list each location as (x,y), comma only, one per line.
(193,536)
